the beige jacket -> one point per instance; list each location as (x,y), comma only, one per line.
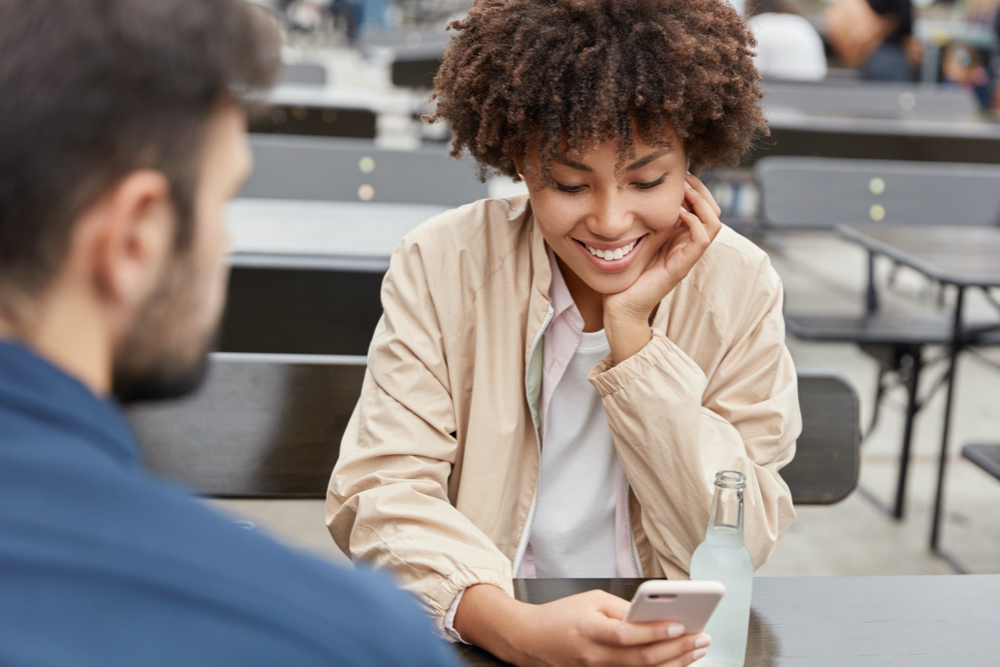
(438,467)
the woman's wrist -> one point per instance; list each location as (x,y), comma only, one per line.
(626,335)
(490,619)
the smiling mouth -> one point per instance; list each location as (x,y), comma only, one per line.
(614,254)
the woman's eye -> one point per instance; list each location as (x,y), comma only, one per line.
(651,184)
(568,188)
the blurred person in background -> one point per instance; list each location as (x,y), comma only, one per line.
(875,36)
(122,137)
(962,66)
(788,46)
(558,376)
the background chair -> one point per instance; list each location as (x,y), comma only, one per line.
(349,170)
(863,99)
(819,193)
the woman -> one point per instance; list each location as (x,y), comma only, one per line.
(557,377)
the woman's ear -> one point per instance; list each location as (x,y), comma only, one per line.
(518,167)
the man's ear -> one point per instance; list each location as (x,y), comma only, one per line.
(131,231)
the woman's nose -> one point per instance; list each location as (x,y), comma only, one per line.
(610,219)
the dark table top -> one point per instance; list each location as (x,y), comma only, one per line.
(841,621)
(966,256)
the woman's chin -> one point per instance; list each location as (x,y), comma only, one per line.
(612,284)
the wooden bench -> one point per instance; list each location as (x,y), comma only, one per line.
(262,426)
(269,426)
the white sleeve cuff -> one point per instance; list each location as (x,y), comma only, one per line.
(449,619)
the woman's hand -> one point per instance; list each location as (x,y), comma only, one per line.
(583,629)
(626,314)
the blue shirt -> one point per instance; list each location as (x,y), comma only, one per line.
(103,564)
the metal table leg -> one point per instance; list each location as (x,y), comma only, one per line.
(912,407)
(871,293)
(956,348)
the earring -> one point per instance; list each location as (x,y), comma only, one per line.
(520,175)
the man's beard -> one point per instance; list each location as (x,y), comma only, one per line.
(162,356)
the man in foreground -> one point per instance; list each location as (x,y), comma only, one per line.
(122,138)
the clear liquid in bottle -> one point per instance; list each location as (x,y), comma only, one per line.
(723,557)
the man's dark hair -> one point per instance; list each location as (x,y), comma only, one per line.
(560,75)
(91,90)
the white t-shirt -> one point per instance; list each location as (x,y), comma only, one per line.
(573,535)
(788,47)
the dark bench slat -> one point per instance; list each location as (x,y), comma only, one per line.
(880,329)
(986,457)
(257,429)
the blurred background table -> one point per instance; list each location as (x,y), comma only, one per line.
(838,621)
(343,235)
(306,275)
(963,257)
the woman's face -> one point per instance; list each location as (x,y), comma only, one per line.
(606,227)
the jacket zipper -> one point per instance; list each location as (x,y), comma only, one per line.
(631,537)
(526,534)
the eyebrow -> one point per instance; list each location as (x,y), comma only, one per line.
(638,164)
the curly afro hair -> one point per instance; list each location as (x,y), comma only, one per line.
(564,75)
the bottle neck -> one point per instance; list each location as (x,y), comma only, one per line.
(727,512)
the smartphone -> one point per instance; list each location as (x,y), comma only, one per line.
(690,603)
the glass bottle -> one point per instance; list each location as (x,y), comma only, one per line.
(722,557)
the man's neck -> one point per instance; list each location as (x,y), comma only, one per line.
(67,337)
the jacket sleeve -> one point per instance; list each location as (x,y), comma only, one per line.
(387,503)
(674,428)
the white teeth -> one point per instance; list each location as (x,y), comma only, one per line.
(612,255)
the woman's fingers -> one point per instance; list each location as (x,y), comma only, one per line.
(613,606)
(706,194)
(619,634)
(687,658)
(705,213)
(693,233)
(672,652)
(706,210)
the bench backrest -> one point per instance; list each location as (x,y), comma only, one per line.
(269,426)
(818,193)
(303,74)
(827,456)
(325,169)
(262,426)
(872,100)
(300,311)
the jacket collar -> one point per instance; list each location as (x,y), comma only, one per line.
(539,301)
(562,300)
(541,268)
(32,389)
